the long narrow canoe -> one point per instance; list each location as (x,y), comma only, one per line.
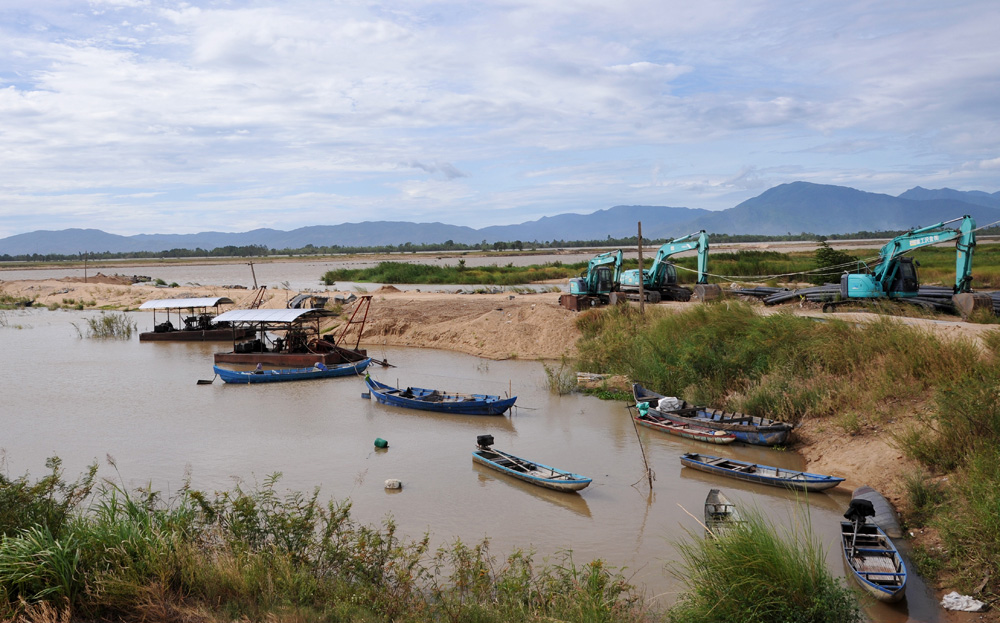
(720,514)
(756,430)
(247,377)
(529,471)
(652,419)
(874,561)
(435,400)
(762,474)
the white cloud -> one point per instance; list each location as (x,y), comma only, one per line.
(134,112)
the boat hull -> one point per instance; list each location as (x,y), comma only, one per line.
(687,431)
(874,562)
(566,482)
(721,515)
(469,404)
(748,429)
(760,474)
(250,377)
(195,335)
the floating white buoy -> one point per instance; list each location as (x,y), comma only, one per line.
(393,483)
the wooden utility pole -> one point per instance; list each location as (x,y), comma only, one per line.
(642,293)
(85,254)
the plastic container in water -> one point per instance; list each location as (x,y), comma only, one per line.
(381,443)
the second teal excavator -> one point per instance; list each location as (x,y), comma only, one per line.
(659,282)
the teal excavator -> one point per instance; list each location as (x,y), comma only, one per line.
(596,285)
(659,282)
(895,276)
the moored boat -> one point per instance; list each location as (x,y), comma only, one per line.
(652,419)
(756,430)
(870,555)
(195,323)
(720,514)
(437,400)
(762,474)
(318,371)
(523,469)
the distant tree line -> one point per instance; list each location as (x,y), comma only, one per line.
(257,250)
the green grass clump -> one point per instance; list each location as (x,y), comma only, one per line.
(255,554)
(110,326)
(752,573)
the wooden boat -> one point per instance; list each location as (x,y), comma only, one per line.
(523,469)
(318,371)
(720,514)
(885,515)
(763,474)
(870,555)
(755,430)
(652,419)
(435,400)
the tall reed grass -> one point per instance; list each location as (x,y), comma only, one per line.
(256,554)
(754,573)
(105,326)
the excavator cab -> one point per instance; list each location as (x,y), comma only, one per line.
(905,282)
(668,276)
(603,280)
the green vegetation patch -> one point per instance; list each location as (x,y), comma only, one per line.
(754,573)
(257,554)
(403,273)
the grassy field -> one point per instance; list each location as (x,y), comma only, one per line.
(872,376)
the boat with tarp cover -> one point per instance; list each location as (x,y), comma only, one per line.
(195,321)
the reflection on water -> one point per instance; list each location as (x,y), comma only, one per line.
(571,501)
(140,403)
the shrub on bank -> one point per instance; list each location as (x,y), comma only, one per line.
(256,555)
(751,573)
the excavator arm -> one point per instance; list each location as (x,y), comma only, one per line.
(653,277)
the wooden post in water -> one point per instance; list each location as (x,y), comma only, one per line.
(649,473)
(642,294)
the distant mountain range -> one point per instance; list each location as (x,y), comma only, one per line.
(789,208)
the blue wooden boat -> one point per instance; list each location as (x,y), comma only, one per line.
(751,429)
(652,419)
(523,469)
(436,400)
(763,474)
(870,555)
(319,371)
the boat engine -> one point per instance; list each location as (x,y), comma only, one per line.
(484,441)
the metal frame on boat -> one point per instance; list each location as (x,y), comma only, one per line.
(301,344)
(762,474)
(523,469)
(199,325)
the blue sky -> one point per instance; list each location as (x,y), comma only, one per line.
(155,116)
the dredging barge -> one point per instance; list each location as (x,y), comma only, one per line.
(198,325)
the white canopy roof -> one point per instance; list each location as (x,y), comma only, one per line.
(186,303)
(269,315)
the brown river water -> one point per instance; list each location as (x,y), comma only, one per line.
(85,399)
